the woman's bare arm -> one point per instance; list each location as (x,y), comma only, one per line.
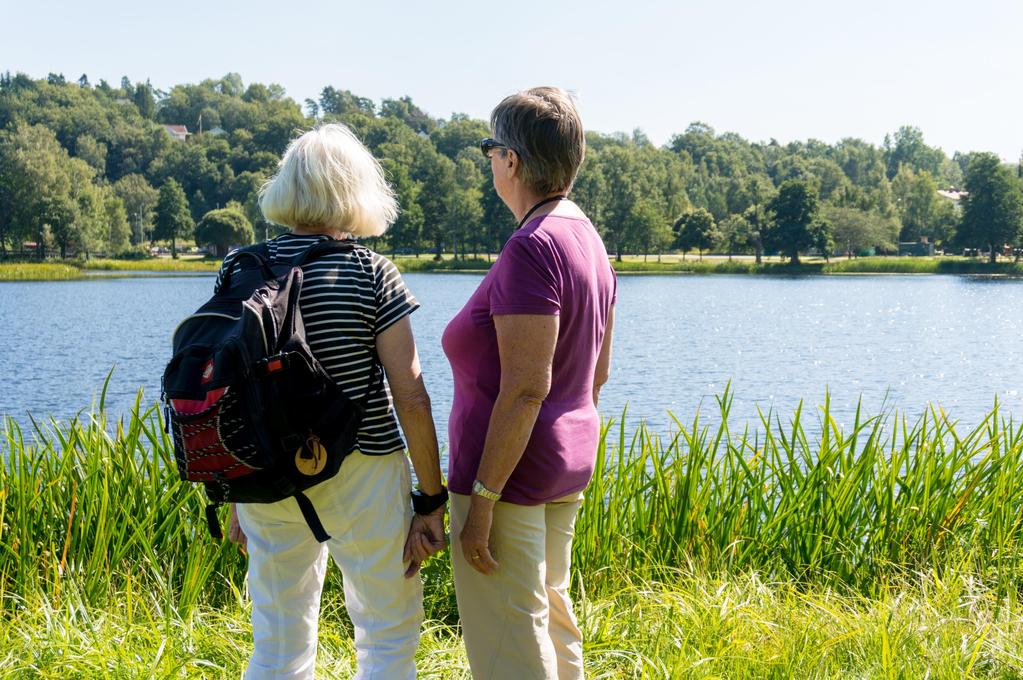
(525,344)
(397,350)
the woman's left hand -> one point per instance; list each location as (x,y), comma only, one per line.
(475,536)
(234,530)
(425,538)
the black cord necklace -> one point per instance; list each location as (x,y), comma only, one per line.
(549,199)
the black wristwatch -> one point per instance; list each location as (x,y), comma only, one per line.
(424,504)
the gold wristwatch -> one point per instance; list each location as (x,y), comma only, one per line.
(480,490)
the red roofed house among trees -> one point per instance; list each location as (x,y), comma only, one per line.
(178,132)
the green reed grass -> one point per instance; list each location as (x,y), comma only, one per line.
(82,505)
(159,264)
(98,507)
(858,506)
(780,549)
(38,272)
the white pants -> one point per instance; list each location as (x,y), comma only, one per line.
(366,511)
(518,622)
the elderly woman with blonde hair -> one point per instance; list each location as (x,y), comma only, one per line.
(356,310)
(529,352)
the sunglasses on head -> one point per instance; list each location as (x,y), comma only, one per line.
(488,145)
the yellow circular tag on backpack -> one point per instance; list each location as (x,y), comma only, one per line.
(311,457)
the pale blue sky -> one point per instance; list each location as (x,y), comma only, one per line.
(789,69)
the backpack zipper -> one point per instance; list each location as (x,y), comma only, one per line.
(259,322)
(196,316)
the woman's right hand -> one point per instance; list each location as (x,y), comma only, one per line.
(475,536)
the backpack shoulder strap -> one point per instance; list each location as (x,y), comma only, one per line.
(262,249)
(323,248)
(258,255)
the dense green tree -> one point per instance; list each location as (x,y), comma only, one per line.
(697,230)
(406,234)
(139,199)
(199,173)
(993,209)
(697,141)
(173,219)
(92,152)
(907,147)
(458,134)
(591,191)
(44,189)
(917,201)
(794,217)
(118,229)
(760,192)
(647,227)
(404,110)
(343,102)
(224,228)
(631,189)
(620,174)
(820,232)
(436,174)
(944,222)
(863,163)
(855,231)
(244,191)
(144,99)
(756,216)
(82,227)
(736,234)
(462,217)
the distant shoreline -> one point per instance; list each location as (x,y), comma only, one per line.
(632,264)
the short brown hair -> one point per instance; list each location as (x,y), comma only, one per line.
(542,126)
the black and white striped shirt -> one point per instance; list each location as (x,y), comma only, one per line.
(347,299)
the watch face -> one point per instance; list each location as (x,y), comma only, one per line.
(480,490)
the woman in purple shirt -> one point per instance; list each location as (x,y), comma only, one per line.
(529,352)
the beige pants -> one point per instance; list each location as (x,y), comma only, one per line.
(518,623)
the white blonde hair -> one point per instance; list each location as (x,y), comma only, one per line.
(328,181)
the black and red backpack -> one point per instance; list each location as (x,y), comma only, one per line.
(253,415)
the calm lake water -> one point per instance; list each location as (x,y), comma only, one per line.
(894,341)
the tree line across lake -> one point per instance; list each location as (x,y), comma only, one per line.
(97,169)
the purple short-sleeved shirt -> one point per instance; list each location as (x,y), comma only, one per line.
(553,265)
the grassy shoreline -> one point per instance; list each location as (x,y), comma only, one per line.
(694,626)
(889,549)
(634,264)
(38,272)
(76,269)
(160,264)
